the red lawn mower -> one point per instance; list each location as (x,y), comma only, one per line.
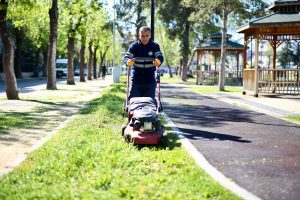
(144,126)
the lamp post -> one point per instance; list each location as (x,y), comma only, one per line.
(115,69)
(152,19)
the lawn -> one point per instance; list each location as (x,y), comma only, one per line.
(294,118)
(213,88)
(199,88)
(88,159)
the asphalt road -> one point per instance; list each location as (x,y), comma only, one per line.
(28,85)
(259,152)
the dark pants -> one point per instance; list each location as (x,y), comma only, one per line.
(142,90)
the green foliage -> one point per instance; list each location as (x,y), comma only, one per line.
(243,10)
(88,159)
(131,15)
(285,55)
(170,48)
(32,17)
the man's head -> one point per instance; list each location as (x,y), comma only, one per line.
(145,34)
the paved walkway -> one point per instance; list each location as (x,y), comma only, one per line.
(258,151)
(36,102)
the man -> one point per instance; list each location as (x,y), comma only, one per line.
(143,56)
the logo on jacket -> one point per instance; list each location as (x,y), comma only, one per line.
(150,53)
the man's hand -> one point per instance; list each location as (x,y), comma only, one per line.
(129,62)
(156,62)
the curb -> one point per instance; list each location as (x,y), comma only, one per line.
(207,167)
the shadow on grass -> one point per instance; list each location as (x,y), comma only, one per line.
(32,119)
(13,120)
(45,102)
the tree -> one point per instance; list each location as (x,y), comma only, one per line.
(51,75)
(82,32)
(8,57)
(31,25)
(74,12)
(169,48)
(176,18)
(98,36)
(286,55)
(243,10)
(130,15)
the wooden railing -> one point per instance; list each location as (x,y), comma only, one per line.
(281,81)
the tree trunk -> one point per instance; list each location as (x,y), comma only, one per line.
(102,59)
(166,57)
(95,62)
(82,49)
(45,58)
(223,47)
(51,75)
(18,54)
(37,63)
(139,17)
(70,75)
(170,71)
(185,50)
(101,64)
(8,55)
(90,62)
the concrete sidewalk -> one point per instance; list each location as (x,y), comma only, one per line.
(257,151)
(54,107)
(274,105)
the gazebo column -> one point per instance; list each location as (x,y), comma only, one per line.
(256,65)
(237,64)
(274,64)
(275,44)
(246,42)
(198,68)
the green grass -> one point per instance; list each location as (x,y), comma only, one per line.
(15,120)
(294,118)
(175,79)
(88,159)
(199,88)
(213,88)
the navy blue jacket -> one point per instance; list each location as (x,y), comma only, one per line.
(143,70)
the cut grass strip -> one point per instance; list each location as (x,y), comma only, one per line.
(294,118)
(88,159)
(214,88)
(16,120)
(176,79)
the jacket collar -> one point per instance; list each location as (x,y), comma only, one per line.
(140,42)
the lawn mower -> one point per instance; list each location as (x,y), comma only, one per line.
(144,126)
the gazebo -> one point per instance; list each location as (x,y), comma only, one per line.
(213,46)
(282,25)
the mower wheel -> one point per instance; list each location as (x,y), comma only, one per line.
(123,129)
(164,140)
(127,138)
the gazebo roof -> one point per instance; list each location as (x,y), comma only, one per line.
(281,5)
(217,45)
(287,14)
(273,20)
